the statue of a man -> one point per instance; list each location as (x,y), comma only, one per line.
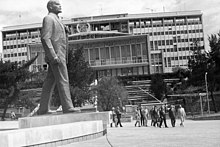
(54,41)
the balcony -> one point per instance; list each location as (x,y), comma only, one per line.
(118,62)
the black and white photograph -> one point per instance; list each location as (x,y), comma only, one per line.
(109,73)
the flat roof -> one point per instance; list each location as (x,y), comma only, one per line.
(107,38)
(113,17)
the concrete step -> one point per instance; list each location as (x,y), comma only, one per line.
(55,119)
(56,129)
(54,135)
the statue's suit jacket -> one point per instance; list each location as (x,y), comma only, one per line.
(53,38)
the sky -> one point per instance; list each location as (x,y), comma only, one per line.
(15,12)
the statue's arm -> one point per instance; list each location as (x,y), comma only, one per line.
(46,35)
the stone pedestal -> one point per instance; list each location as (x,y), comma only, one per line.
(46,120)
(56,130)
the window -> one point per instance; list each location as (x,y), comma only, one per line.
(134,51)
(171,42)
(144,48)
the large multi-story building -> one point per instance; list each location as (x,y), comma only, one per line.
(171,36)
(120,44)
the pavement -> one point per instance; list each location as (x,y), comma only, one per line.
(205,133)
(193,134)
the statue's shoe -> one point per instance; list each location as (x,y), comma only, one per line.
(73,110)
(47,112)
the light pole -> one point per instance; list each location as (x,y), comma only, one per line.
(207,92)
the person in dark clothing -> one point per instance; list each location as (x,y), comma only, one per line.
(137,117)
(172,115)
(163,116)
(118,115)
(142,116)
(154,117)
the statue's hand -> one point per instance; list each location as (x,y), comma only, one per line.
(67,30)
(56,60)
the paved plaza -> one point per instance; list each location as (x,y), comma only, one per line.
(194,134)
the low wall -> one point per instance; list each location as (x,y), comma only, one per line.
(54,135)
(126,118)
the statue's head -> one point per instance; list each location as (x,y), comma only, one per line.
(54,6)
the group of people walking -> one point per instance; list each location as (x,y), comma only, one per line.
(159,116)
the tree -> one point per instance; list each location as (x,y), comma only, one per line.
(81,76)
(181,73)
(35,80)
(26,99)
(198,66)
(208,63)
(214,65)
(110,93)
(158,86)
(11,75)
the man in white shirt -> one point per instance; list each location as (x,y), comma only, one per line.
(182,115)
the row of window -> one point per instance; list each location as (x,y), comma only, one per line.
(143,70)
(14,46)
(20,37)
(15,54)
(176,32)
(116,51)
(165,24)
(180,58)
(175,40)
(20,62)
(113,61)
(192,48)
(186,40)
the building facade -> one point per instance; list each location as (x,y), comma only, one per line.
(172,38)
(109,56)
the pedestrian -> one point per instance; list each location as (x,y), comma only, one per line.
(13,116)
(182,115)
(118,115)
(172,115)
(146,116)
(137,117)
(151,115)
(155,117)
(163,116)
(112,117)
(142,112)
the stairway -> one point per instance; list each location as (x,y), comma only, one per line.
(138,92)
